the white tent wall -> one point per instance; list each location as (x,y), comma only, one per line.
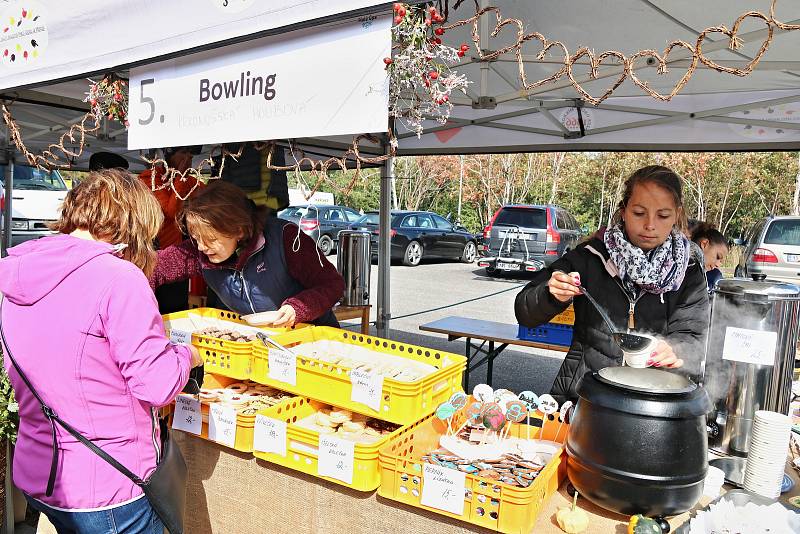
(714,111)
(80,37)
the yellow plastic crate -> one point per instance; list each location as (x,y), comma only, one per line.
(233,359)
(565,317)
(487,503)
(244,423)
(401,402)
(302,446)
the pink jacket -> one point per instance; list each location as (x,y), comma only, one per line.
(83,325)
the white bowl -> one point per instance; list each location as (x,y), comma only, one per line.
(261,319)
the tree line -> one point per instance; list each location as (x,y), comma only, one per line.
(730,190)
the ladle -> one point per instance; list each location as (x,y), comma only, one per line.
(627,341)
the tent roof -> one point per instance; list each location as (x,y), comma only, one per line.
(714,111)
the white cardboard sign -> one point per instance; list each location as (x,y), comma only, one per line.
(283,366)
(180,337)
(269,435)
(323,81)
(187,416)
(443,488)
(336,458)
(367,388)
(749,346)
(222,424)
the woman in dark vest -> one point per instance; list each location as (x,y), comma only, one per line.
(254,264)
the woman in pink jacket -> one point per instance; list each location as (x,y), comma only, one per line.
(82,323)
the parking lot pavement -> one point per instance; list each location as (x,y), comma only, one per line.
(434,284)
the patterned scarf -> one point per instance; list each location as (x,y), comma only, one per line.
(657,271)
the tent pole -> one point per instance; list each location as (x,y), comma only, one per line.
(384,243)
(8,160)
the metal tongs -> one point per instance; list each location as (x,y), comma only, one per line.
(271,343)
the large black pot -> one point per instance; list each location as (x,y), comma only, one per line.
(638,442)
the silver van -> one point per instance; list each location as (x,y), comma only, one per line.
(772,247)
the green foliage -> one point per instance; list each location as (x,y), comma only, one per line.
(9,410)
(730,190)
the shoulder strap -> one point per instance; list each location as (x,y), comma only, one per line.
(54,418)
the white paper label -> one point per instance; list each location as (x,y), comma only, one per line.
(187,416)
(222,424)
(269,435)
(367,388)
(443,488)
(180,337)
(283,366)
(749,346)
(336,458)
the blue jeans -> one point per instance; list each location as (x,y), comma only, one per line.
(137,517)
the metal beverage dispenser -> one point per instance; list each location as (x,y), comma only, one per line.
(750,356)
(354,263)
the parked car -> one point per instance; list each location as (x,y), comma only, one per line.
(421,234)
(36,201)
(322,222)
(524,237)
(772,247)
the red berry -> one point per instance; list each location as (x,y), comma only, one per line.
(433,75)
(401,12)
(464,47)
(438,18)
(397,6)
(427,83)
(387,60)
(439,31)
(460,53)
(398,19)
(445,98)
(437,41)
(432,10)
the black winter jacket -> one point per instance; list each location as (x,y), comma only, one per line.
(681,318)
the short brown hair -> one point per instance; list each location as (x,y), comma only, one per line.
(661,176)
(224,208)
(116,207)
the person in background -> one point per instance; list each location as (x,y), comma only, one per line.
(107,160)
(715,250)
(643,273)
(253,263)
(171,297)
(104,367)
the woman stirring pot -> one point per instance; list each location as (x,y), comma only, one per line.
(641,271)
(254,264)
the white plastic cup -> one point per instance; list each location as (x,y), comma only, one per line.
(769,447)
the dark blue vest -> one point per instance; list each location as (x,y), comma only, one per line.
(264,282)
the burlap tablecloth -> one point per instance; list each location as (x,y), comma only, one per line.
(233,493)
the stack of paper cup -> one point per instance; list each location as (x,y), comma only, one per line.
(769,446)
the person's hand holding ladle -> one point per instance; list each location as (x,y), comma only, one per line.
(564,286)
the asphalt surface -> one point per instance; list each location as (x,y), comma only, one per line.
(439,283)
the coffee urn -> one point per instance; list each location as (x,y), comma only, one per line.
(354,263)
(750,356)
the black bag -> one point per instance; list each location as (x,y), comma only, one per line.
(165,488)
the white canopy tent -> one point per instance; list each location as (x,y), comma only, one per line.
(714,111)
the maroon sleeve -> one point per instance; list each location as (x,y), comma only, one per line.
(323,284)
(176,262)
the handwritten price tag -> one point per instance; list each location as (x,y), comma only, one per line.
(443,488)
(222,424)
(283,366)
(187,416)
(269,435)
(180,337)
(367,388)
(749,346)
(336,458)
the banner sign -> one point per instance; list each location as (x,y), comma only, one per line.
(310,83)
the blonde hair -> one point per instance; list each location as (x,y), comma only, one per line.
(118,208)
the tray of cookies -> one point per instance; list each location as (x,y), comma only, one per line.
(224,339)
(380,378)
(331,443)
